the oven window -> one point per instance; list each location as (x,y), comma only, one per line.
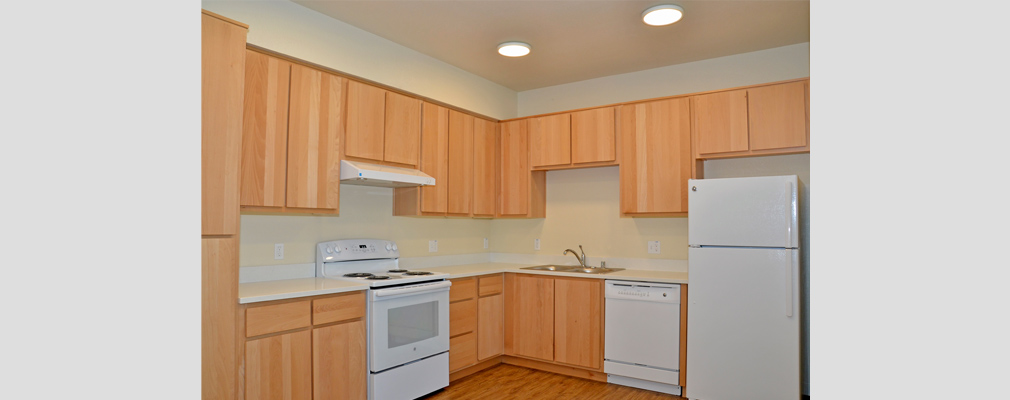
(413,323)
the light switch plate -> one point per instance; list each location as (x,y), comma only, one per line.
(536,244)
(653,247)
(279,251)
(432,246)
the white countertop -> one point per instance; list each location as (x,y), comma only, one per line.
(291,288)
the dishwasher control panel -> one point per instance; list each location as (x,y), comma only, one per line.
(643,291)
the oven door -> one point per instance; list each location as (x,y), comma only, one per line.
(408,323)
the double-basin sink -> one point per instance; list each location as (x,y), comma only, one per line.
(578,269)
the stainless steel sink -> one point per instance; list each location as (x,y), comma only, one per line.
(572,268)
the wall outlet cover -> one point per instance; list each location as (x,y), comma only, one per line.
(432,246)
(653,247)
(279,251)
(536,244)
(485,243)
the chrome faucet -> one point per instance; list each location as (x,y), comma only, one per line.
(582,260)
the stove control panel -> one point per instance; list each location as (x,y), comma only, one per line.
(355,249)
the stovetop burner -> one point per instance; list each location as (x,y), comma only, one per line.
(397,271)
(412,273)
(378,277)
(358,275)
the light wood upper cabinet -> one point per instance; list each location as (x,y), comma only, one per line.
(222,68)
(761,120)
(594,136)
(550,140)
(529,316)
(291,137)
(265,130)
(656,160)
(279,367)
(484,162)
(578,322)
(315,125)
(460,178)
(521,193)
(382,126)
(434,158)
(366,121)
(402,138)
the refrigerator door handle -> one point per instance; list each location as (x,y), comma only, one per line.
(790,215)
(792,283)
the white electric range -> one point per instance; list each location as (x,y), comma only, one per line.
(407,318)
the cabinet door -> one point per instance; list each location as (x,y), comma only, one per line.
(490,326)
(594,136)
(265,130)
(462,351)
(223,71)
(720,122)
(778,116)
(483,168)
(340,361)
(529,318)
(460,163)
(578,322)
(656,160)
(314,131)
(366,116)
(402,137)
(279,367)
(219,289)
(434,157)
(550,140)
(514,169)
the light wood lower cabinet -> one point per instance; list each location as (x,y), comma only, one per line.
(555,319)
(476,316)
(307,348)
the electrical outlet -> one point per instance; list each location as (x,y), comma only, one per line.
(653,247)
(279,251)
(536,244)
(485,243)
(432,246)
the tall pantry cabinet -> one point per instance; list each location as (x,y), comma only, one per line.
(222,67)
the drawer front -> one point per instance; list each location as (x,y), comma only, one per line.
(462,351)
(340,308)
(462,317)
(462,289)
(277,318)
(491,284)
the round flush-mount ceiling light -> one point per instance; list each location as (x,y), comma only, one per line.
(665,14)
(513,49)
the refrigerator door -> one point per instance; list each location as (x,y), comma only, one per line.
(743,336)
(747,212)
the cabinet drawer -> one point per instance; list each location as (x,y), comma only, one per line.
(462,351)
(277,318)
(339,308)
(462,317)
(463,288)
(491,284)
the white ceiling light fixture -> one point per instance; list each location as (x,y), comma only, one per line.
(514,49)
(661,15)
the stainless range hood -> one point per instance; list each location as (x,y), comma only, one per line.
(359,173)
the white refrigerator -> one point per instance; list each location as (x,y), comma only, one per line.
(743,316)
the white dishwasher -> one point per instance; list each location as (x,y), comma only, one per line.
(642,325)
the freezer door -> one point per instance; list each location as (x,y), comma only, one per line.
(743,319)
(748,212)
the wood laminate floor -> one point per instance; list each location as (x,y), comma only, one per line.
(512,382)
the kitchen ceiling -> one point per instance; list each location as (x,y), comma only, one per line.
(573,40)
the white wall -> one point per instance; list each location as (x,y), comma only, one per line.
(299,32)
(778,64)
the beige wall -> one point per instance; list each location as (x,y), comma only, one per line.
(365,212)
(299,32)
(778,64)
(583,208)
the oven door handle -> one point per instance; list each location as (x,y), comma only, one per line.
(424,288)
